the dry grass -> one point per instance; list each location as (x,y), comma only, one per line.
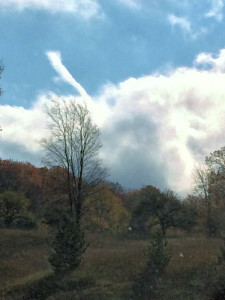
(23,256)
(111,261)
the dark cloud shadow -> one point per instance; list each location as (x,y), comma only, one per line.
(133,153)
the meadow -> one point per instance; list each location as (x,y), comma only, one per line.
(109,267)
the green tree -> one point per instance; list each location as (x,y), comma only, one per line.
(158,257)
(14,210)
(163,208)
(105,210)
(68,245)
(186,218)
(142,211)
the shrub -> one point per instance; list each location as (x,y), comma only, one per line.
(186,218)
(158,258)
(68,246)
(42,288)
(52,213)
(216,284)
(14,211)
(54,287)
(24,220)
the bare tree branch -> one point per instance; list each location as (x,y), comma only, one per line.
(73,144)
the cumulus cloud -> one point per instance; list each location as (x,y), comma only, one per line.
(84,8)
(216,63)
(164,124)
(154,128)
(216,10)
(22,131)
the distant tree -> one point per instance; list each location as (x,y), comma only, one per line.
(162,207)
(105,210)
(216,161)
(187,216)
(14,210)
(142,210)
(202,188)
(166,208)
(73,144)
(132,199)
(9,176)
(25,178)
(209,186)
(216,165)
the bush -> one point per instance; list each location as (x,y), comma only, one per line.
(24,220)
(54,287)
(68,246)
(158,258)
(216,284)
(52,213)
(42,288)
(14,211)
(186,218)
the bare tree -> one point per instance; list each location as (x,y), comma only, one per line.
(201,183)
(216,163)
(74,144)
(203,188)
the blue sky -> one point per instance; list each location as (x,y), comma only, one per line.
(154,70)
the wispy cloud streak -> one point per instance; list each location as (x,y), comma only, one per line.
(84,8)
(131,3)
(186,26)
(56,62)
(216,10)
(182,22)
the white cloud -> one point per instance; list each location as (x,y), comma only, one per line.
(216,10)
(182,22)
(56,62)
(154,128)
(186,26)
(23,127)
(84,8)
(184,111)
(216,63)
(131,3)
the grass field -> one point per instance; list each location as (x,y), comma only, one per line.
(109,265)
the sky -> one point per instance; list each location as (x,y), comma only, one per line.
(153,72)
